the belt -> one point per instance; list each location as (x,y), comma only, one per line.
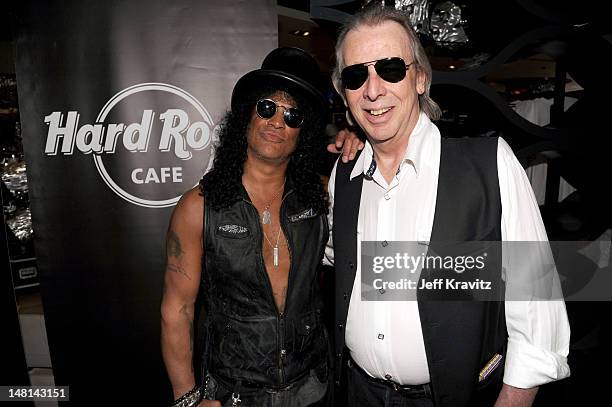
(249,386)
(408,390)
(246,385)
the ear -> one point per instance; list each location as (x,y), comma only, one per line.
(421,78)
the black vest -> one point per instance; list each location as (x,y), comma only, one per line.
(460,336)
(249,339)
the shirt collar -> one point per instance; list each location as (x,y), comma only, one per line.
(414,154)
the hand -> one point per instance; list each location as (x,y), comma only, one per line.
(346,143)
(210,403)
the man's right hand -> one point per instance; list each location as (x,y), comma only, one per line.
(346,143)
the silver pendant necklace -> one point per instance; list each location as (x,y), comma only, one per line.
(266,219)
(266,216)
(274,247)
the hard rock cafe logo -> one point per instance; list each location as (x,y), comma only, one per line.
(139,152)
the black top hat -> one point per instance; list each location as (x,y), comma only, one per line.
(287,68)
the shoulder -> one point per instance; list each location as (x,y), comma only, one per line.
(504,151)
(190,208)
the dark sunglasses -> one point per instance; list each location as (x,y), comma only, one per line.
(266,109)
(391,70)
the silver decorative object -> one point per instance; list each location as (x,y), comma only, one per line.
(418,12)
(441,21)
(14,175)
(446,24)
(368,2)
(21,224)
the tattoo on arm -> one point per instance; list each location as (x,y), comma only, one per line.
(176,268)
(173,247)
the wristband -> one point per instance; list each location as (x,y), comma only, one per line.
(189,399)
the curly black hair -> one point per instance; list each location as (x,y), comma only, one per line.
(221,185)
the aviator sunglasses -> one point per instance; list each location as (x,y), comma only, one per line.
(391,70)
(266,109)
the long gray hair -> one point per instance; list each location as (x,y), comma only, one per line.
(373,16)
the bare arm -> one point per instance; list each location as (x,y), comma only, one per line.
(514,397)
(184,252)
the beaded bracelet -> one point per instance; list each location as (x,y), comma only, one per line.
(189,399)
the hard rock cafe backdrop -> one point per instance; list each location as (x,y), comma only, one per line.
(119,101)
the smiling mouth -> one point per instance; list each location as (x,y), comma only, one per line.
(378,112)
(273,137)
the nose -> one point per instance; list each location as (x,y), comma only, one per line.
(277,120)
(374,86)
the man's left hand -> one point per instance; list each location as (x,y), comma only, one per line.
(514,397)
(346,143)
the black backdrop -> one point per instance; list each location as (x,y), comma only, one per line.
(146,82)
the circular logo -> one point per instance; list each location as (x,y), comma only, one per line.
(148,169)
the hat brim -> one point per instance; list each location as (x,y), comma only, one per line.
(252,82)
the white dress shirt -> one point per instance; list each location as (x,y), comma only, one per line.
(385,337)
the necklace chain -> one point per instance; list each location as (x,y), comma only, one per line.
(266,218)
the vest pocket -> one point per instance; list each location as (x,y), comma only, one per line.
(306,328)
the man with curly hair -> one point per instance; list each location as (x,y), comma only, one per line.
(252,236)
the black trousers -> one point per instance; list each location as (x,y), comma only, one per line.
(364,392)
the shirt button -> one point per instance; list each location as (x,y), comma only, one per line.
(385,243)
(351,265)
(340,326)
(387,197)
(388,377)
(344,295)
(381,336)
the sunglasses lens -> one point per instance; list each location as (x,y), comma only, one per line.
(354,76)
(391,70)
(293,117)
(266,108)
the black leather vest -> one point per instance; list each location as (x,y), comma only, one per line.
(249,339)
(460,336)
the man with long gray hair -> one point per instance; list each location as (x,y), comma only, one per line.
(410,184)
